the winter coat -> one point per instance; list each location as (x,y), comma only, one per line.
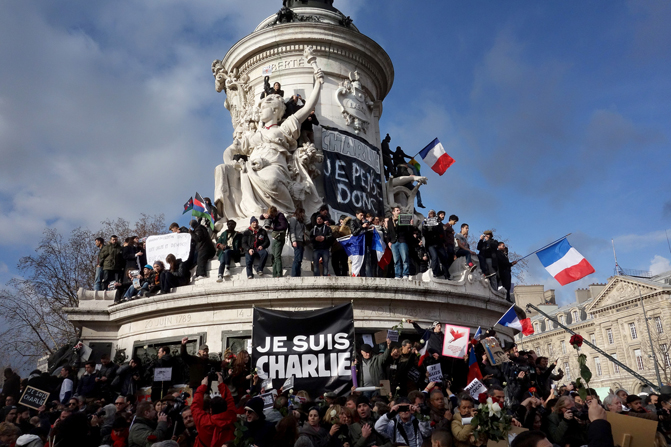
(376,367)
(435,338)
(182,272)
(144,428)
(108,371)
(262,432)
(223,240)
(390,424)
(310,121)
(87,385)
(461,432)
(198,367)
(319,437)
(297,230)
(128,252)
(124,381)
(111,257)
(12,386)
(375,438)
(203,242)
(252,240)
(398,233)
(213,429)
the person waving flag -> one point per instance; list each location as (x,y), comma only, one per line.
(200,209)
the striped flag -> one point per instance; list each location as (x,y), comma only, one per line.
(188,206)
(200,210)
(425,347)
(355,247)
(435,156)
(564,262)
(478,334)
(383,251)
(516,319)
(473,367)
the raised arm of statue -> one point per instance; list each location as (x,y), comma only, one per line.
(303,113)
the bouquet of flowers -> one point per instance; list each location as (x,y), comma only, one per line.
(585,373)
(491,421)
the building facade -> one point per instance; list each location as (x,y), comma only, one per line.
(610,316)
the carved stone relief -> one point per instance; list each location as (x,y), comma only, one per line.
(355,107)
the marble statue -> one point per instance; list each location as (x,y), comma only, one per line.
(402,190)
(263,166)
(355,107)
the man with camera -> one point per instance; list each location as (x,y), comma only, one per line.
(199,365)
(147,423)
(215,426)
(401,426)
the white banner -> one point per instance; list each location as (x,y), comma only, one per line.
(158,247)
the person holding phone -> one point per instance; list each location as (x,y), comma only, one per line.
(401,425)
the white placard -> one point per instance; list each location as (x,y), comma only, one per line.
(162,374)
(475,388)
(435,373)
(267,384)
(267,71)
(456,341)
(288,384)
(85,352)
(392,335)
(158,247)
(268,399)
(368,339)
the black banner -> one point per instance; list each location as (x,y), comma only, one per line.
(314,347)
(352,177)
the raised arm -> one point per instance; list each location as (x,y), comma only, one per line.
(302,114)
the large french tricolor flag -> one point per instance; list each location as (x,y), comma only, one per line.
(516,319)
(564,262)
(435,156)
(355,247)
(384,255)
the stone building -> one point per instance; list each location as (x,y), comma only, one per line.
(611,317)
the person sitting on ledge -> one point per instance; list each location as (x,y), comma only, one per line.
(177,275)
(229,247)
(255,242)
(146,280)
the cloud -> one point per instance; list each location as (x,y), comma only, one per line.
(666,210)
(659,264)
(3,268)
(636,242)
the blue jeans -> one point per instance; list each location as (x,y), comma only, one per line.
(322,253)
(228,255)
(98,284)
(464,253)
(401,259)
(298,259)
(439,257)
(262,255)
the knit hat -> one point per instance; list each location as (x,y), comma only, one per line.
(255,404)
(252,220)
(149,267)
(362,400)
(366,348)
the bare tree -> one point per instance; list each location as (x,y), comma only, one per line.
(32,305)
(661,344)
(519,270)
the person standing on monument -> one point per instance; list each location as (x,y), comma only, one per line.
(505,268)
(279,231)
(398,242)
(204,247)
(464,249)
(255,242)
(98,284)
(112,262)
(307,134)
(320,237)
(297,232)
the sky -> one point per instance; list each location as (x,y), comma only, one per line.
(557,113)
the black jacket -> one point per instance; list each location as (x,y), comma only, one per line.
(323,230)
(268,89)
(128,253)
(488,248)
(356,226)
(262,432)
(433,234)
(198,367)
(310,121)
(203,242)
(398,233)
(251,240)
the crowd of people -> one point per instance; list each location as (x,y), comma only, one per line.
(104,405)
(432,244)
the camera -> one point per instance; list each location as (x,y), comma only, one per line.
(581,415)
(212,376)
(402,408)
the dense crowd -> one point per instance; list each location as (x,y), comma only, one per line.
(105,403)
(434,244)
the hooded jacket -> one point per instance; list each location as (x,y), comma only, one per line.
(111,257)
(213,429)
(252,240)
(143,428)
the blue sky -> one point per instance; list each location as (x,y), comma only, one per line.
(557,114)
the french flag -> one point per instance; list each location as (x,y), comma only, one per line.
(516,319)
(564,262)
(473,367)
(478,334)
(425,347)
(355,247)
(383,252)
(435,156)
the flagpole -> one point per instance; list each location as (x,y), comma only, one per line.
(544,247)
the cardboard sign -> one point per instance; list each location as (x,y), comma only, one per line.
(631,431)
(380,337)
(34,398)
(514,431)
(267,71)
(368,340)
(158,247)
(385,389)
(456,341)
(162,374)
(413,374)
(268,399)
(435,373)
(495,354)
(392,335)
(475,388)
(85,352)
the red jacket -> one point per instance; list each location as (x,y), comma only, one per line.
(213,429)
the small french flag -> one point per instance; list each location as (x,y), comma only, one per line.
(478,334)
(435,156)
(355,247)
(384,255)
(564,262)
(473,367)
(516,319)
(423,353)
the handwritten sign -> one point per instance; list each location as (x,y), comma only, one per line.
(158,247)
(267,71)
(162,374)
(33,398)
(435,373)
(268,399)
(392,335)
(380,337)
(495,354)
(368,339)
(456,341)
(475,388)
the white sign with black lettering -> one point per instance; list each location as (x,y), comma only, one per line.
(435,373)
(475,388)
(162,374)
(159,247)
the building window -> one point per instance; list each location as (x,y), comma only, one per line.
(665,353)
(609,333)
(616,367)
(567,370)
(597,364)
(658,323)
(563,347)
(639,359)
(592,339)
(561,319)
(549,350)
(575,316)
(632,329)
(538,350)
(536,326)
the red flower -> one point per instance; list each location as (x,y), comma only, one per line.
(576,341)
(532,390)
(152,438)
(482,398)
